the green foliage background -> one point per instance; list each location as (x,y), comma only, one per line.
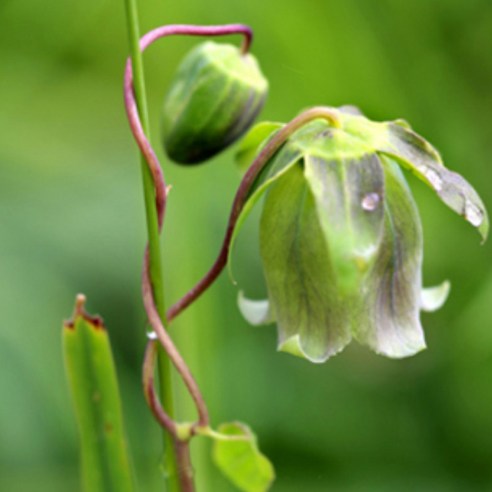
(71,219)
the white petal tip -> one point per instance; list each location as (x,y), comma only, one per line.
(434,298)
(255,312)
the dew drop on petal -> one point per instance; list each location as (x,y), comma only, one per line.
(473,214)
(370,202)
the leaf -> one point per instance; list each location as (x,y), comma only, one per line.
(94,388)
(433,298)
(299,274)
(349,195)
(241,461)
(388,318)
(252,143)
(418,155)
(255,312)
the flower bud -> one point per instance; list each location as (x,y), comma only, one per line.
(214,98)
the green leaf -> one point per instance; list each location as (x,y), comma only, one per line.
(418,155)
(254,140)
(388,318)
(312,317)
(433,298)
(349,195)
(240,460)
(94,388)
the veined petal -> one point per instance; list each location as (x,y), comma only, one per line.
(388,320)
(433,298)
(418,155)
(278,165)
(298,272)
(255,312)
(349,196)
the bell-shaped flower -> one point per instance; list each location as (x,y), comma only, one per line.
(341,237)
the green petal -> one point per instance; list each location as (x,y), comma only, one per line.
(298,272)
(433,298)
(253,142)
(388,318)
(255,312)
(418,155)
(349,195)
(278,165)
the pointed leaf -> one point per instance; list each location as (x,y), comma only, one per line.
(94,387)
(433,298)
(298,271)
(255,312)
(349,196)
(241,461)
(415,153)
(388,319)
(253,142)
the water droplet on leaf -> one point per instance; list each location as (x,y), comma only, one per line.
(370,202)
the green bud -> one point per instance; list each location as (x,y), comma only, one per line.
(341,236)
(214,98)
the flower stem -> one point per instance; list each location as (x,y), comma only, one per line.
(156,272)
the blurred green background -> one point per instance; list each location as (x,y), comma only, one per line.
(72,220)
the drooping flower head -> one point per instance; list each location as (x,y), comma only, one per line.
(341,237)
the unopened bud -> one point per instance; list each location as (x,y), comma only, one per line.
(213,100)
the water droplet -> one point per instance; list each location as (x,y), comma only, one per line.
(473,214)
(152,335)
(370,202)
(432,176)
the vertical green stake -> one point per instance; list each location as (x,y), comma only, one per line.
(156,273)
(94,388)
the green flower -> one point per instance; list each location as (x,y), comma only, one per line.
(341,237)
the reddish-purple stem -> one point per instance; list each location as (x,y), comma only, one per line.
(160,197)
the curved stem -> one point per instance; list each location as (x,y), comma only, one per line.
(152,285)
(241,197)
(154,194)
(150,396)
(170,348)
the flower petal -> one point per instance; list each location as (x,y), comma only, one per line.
(433,298)
(279,164)
(298,272)
(418,155)
(388,317)
(349,195)
(255,312)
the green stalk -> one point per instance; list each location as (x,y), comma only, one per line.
(156,271)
